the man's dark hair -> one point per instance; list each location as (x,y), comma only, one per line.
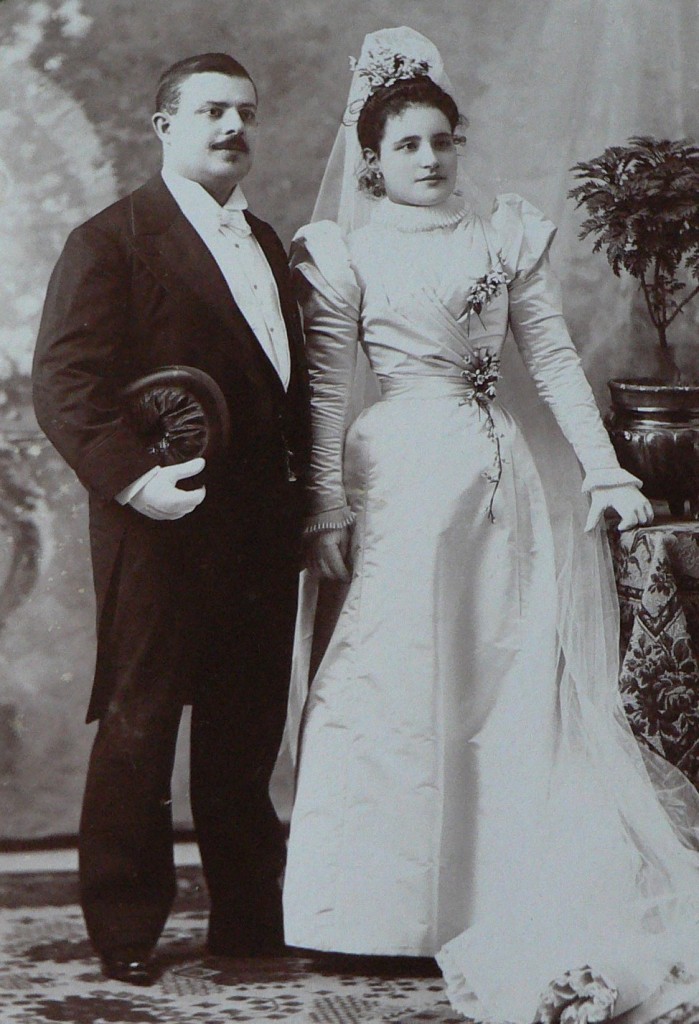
(167,97)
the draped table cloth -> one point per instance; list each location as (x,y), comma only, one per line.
(657,576)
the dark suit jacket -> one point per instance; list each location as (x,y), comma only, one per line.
(136,289)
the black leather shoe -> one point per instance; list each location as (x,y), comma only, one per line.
(131,971)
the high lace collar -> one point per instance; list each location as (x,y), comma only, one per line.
(412,219)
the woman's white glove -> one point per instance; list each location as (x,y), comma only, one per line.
(327,554)
(627,501)
(161,498)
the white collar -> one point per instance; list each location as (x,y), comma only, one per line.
(420,218)
(197,204)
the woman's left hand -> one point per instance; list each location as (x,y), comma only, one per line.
(627,501)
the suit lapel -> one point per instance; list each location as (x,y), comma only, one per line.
(178,257)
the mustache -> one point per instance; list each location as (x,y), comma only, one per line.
(236,144)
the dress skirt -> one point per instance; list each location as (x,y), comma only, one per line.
(429,730)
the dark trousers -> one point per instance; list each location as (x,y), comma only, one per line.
(235,657)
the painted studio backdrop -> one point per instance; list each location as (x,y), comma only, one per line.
(546,83)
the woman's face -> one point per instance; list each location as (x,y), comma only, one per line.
(417,157)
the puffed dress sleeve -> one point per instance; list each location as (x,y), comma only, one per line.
(524,236)
(329,296)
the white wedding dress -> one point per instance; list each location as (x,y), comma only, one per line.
(452,797)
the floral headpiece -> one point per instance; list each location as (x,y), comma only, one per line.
(383,67)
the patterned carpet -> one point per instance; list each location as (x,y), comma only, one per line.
(48,973)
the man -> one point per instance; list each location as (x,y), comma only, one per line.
(195,584)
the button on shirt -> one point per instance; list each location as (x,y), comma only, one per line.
(227,235)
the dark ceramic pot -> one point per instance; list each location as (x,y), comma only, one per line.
(654,427)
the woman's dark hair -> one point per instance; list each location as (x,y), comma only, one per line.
(391,100)
(168,95)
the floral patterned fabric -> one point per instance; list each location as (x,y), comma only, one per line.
(657,573)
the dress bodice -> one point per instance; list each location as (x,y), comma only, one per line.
(423,289)
(417,315)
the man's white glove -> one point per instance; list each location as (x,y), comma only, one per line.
(626,500)
(161,498)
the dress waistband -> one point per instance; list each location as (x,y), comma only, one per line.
(423,387)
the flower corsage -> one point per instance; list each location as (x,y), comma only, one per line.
(579,996)
(481,377)
(483,291)
(381,68)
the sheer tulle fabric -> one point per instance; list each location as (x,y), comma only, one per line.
(339,199)
(610,875)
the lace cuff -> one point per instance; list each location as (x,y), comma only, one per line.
(333,519)
(610,477)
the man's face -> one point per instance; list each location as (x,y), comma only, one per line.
(211,136)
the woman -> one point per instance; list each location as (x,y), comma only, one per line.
(467,785)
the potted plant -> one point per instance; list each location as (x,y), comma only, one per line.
(643,206)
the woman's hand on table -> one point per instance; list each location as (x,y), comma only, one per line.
(630,504)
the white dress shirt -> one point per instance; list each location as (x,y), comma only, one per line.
(227,235)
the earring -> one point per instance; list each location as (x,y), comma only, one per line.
(371,181)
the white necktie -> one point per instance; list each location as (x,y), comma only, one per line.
(233,220)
